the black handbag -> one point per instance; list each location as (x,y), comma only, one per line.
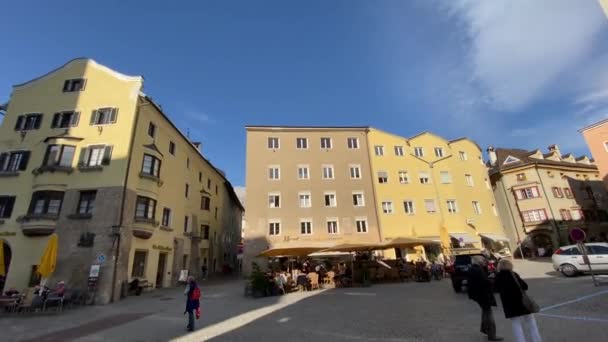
(528,302)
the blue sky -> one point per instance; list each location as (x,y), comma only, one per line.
(513,73)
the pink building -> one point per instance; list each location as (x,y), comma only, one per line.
(596,136)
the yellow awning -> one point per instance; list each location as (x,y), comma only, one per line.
(296,248)
(49,258)
(2,267)
(348,247)
(407,242)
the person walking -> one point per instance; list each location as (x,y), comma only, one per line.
(204,271)
(480,290)
(193,295)
(512,292)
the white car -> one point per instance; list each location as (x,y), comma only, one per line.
(569,259)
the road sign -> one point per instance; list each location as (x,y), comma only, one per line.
(101,258)
(583,249)
(578,234)
(94,272)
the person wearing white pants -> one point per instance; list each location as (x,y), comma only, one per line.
(512,289)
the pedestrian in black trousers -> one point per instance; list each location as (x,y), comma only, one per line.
(480,290)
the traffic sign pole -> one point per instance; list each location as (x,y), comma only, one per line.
(579,236)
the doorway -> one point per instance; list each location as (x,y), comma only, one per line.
(6,254)
(160,271)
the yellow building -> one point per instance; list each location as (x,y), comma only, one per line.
(85,154)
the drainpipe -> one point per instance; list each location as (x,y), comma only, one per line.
(548,203)
(371,174)
(513,218)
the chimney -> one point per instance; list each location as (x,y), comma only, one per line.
(555,148)
(198,146)
(492,155)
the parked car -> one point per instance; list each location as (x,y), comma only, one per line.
(569,260)
(462,264)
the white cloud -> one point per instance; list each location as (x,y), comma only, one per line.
(194,115)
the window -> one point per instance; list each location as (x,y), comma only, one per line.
(557,192)
(568,193)
(446,178)
(273,143)
(306,227)
(358,199)
(59,155)
(104,116)
(438,152)
(355,172)
(172,147)
(216,189)
(462,155)
(469,180)
(330,199)
(166,222)
(14,161)
(139,264)
(151,166)
(429,205)
(301,143)
(353,143)
(65,120)
(28,122)
(494,210)
(303,172)
(597,249)
(476,207)
(332,226)
(404,177)
(382,177)
(209,182)
(576,214)
(46,203)
(274,228)
(452,208)
(187,163)
(328,172)
(205,231)
(274,200)
(96,155)
(379,150)
(145,208)
(387,207)
(274,173)
(565,214)
(424,177)
(215,214)
(205,203)
(399,151)
(7,203)
(200,177)
(526,193)
(186,223)
(537,215)
(75,84)
(521,177)
(361,224)
(86,203)
(419,152)
(187,192)
(326,143)
(408,206)
(304,198)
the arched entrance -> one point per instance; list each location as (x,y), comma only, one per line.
(543,244)
(6,255)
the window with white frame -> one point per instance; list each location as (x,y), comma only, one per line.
(306,227)
(273,143)
(399,151)
(462,155)
(326,143)
(379,150)
(382,177)
(537,215)
(424,177)
(274,228)
(358,199)
(301,143)
(304,199)
(274,200)
(419,152)
(476,207)
(576,214)
(526,193)
(328,172)
(429,205)
(452,207)
(274,172)
(404,178)
(361,224)
(387,207)
(330,199)
(303,172)
(104,116)
(408,206)
(438,152)
(355,171)
(468,180)
(446,178)
(332,226)
(353,143)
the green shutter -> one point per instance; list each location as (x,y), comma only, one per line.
(107,155)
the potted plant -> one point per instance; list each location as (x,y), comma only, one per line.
(258,281)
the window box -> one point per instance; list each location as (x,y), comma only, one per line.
(147,221)
(80,216)
(158,181)
(85,168)
(166,228)
(9,173)
(37,217)
(52,168)
(144,227)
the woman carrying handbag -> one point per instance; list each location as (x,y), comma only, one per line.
(516,303)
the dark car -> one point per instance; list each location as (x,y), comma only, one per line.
(462,264)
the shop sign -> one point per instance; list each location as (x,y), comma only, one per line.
(8,233)
(162,248)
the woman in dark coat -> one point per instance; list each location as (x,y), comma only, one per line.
(192,302)
(479,289)
(510,287)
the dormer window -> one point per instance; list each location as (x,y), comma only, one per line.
(510,160)
(75,84)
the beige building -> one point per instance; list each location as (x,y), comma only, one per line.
(541,197)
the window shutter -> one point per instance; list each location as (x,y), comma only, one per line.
(75,119)
(518,194)
(8,206)
(84,83)
(56,119)
(84,156)
(93,117)
(25,157)
(114,115)
(3,159)
(107,155)
(19,123)
(38,121)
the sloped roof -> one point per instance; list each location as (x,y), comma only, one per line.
(524,159)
